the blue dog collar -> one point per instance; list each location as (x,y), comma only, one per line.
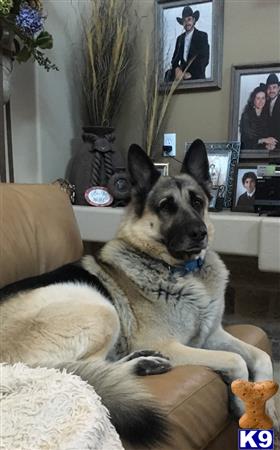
(191,266)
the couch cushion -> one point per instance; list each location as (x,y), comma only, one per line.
(38,231)
(196,399)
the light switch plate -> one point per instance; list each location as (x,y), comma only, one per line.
(170,139)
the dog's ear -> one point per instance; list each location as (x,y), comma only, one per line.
(196,164)
(143,174)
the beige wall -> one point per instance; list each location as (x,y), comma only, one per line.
(46,111)
(251,35)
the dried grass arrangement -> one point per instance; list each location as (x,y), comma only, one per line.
(109,40)
(156,100)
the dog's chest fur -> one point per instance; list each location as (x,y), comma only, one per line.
(166,304)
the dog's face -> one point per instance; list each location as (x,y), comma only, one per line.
(167,216)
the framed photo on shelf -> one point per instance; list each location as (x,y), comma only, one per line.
(255,110)
(189,42)
(163,168)
(245,187)
(223,158)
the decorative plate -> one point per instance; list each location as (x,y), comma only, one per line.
(98,196)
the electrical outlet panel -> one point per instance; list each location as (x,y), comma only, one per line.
(169,140)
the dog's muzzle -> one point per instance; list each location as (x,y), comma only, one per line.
(191,243)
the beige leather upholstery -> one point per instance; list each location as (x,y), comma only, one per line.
(38,231)
(252,335)
(196,400)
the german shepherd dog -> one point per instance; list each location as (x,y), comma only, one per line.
(156,289)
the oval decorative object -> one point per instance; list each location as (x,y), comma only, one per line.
(98,196)
(119,185)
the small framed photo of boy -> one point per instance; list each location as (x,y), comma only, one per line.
(245,188)
(163,168)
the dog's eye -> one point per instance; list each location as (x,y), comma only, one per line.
(196,202)
(168,205)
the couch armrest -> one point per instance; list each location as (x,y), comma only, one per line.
(196,400)
(38,231)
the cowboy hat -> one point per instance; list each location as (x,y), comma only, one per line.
(272,79)
(187,12)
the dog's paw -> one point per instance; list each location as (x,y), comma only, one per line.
(150,365)
(145,353)
(235,369)
(236,406)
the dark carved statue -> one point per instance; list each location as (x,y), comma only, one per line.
(98,164)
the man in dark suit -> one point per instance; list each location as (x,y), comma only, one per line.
(191,49)
(273,95)
(246,200)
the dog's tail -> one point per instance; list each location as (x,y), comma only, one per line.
(134,413)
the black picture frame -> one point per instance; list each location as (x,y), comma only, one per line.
(165,40)
(244,78)
(239,189)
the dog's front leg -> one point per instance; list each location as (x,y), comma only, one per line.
(230,365)
(258,362)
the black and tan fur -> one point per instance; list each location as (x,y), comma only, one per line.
(98,318)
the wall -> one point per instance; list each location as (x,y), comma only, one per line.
(46,111)
(46,106)
(26,146)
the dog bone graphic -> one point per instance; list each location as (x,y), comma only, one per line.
(254,396)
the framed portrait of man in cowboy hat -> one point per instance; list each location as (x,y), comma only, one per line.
(255,113)
(189,42)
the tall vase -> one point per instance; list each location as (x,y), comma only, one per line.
(95,163)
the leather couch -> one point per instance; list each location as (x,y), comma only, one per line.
(38,233)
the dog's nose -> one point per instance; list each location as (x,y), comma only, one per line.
(198,233)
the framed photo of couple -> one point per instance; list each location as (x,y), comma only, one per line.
(189,43)
(255,110)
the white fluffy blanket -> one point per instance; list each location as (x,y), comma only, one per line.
(46,409)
